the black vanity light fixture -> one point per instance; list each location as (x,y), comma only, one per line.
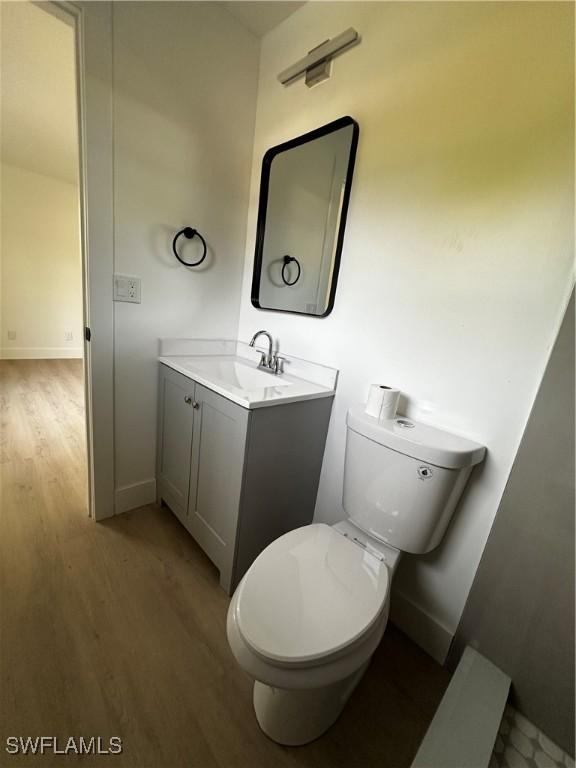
(316,65)
(189,233)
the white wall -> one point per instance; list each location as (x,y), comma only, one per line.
(185,80)
(40,259)
(520,611)
(41,266)
(458,253)
(38,118)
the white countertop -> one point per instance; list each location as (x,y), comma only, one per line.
(230,369)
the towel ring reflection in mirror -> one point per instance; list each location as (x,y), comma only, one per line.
(288,260)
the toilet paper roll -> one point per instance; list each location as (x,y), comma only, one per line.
(382,402)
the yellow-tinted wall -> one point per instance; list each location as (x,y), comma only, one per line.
(458,253)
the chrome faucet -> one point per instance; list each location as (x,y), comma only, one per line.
(269,361)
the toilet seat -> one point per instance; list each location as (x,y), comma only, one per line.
(309,596)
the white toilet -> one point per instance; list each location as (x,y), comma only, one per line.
(311,610)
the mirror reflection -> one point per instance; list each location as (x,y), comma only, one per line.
(304,196)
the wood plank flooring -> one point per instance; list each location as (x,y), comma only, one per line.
(118,628)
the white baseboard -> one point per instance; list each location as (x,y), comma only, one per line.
(40,353)
(426,631)
(135,495)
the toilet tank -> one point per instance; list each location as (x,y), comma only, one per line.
(403,479)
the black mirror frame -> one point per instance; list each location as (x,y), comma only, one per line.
(270,154)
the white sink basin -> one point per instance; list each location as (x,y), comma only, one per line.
(239,374)
(230,368)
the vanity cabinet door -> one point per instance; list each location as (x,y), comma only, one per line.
(176,420)
(217,468)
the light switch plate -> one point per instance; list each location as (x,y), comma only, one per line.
(127,289)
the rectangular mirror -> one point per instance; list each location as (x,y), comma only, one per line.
(304,193)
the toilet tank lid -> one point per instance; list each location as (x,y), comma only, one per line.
(417,440)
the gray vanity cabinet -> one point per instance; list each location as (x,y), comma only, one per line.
(218,449)
(176,418)
(237,478)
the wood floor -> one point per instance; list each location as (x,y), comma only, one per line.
(118,628)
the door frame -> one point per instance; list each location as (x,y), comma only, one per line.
(92,24)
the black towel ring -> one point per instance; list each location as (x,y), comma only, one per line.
(287,260)
(189,233)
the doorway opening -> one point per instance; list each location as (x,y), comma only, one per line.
(42,371)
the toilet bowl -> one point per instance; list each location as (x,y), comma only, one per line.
(312,608)
(304,623)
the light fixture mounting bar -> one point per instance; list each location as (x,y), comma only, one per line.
(324,52)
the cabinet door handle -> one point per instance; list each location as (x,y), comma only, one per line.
(187,399)
(195,405)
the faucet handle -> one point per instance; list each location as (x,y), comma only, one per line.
(277,364)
